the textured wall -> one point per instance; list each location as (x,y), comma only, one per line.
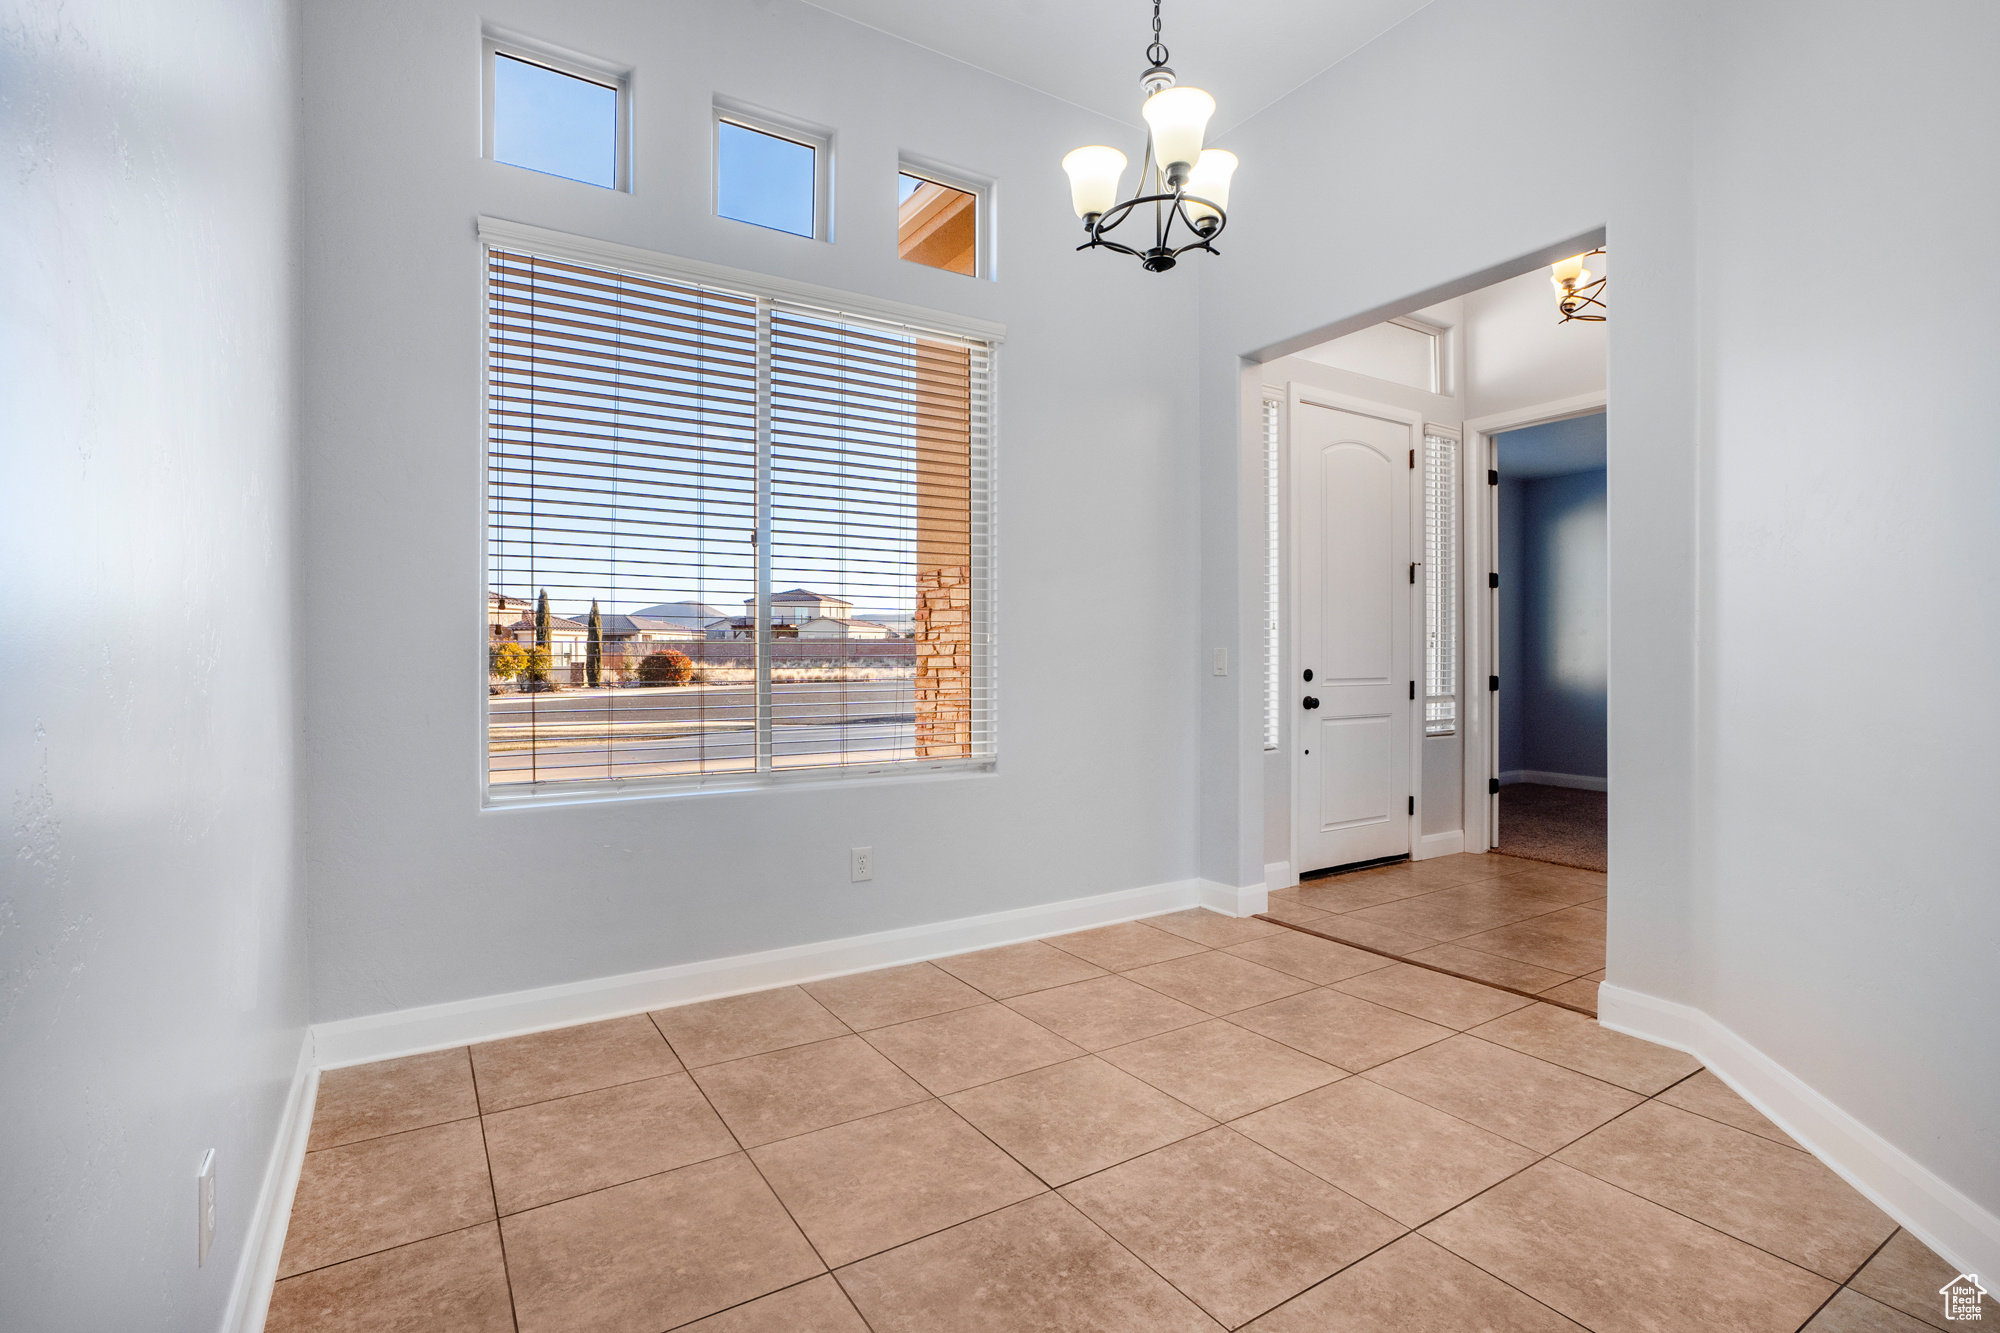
(152,972)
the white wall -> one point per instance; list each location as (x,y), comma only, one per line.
(418,896)
(1848,768)
(152,970)
(1801,525)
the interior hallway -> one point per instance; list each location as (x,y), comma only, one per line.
(1174,1124)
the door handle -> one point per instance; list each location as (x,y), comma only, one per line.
(1309,702)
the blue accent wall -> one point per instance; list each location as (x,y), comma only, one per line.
(1552,643)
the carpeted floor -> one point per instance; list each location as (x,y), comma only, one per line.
(1557,824)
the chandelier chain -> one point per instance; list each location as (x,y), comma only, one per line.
(1157,52)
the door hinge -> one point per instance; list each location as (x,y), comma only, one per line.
(1492,580)
(1413,805)
(1413,689)
(1413,459)
(1493,476)
(1492,786)
(1493,682)
(1413,571)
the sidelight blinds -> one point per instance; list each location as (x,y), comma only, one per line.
(730,537)
(1273,462)
(1440,585)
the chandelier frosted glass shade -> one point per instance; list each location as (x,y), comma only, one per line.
(1207,191)
(1178,118)
(1093,178)
(1578,292)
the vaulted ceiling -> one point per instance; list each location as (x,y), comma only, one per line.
(1248,53)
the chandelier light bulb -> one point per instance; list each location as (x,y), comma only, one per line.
(1178,118)
(1093,178)
(1209,181)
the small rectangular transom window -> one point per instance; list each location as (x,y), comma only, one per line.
(556,116)
(771,175)
(937,224)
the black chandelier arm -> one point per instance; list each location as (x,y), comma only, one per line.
(1119,212)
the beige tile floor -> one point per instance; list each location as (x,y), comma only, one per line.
(1527,925)
(1184,1123)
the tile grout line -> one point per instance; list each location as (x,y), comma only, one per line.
(493,1193)
(1458,941)
(825,1268)
(1433,967)
(1843,1286)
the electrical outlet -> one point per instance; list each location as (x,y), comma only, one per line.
(205,1202)
(1221,661)
(861,864)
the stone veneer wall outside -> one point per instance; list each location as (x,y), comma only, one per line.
(944,551)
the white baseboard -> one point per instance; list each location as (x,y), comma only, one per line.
(1440,844)
(1278,875)
(1576,780)
(1964,1234)
(1230,901)
(264,1242)
(353,1041)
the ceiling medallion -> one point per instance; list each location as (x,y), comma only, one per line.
(1189,184)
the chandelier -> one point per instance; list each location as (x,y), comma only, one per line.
(1576,290)
(1188,184)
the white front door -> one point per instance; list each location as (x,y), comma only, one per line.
(1352,662)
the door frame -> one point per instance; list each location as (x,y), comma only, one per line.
(1295,394)
(1478,553)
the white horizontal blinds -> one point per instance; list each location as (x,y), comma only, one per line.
(641,431)
(622,471)
(1440,585)
(1272,577)
(871,543)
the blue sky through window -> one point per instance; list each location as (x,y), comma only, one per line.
(554,123)
(907,185)
(763,179)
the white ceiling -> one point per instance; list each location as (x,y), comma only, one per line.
(1247,53)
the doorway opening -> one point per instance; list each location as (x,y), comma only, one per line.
(1549,578)
(1423,797)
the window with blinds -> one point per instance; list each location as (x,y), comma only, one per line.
(1440,585)
(1273,463)
(730,538)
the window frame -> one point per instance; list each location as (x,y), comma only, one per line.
(816,137)
(498,42)
(981,190)
(495,233)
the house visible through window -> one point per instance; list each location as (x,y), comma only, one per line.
(554,122)
(768,179)
(729,537)
(937,224)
